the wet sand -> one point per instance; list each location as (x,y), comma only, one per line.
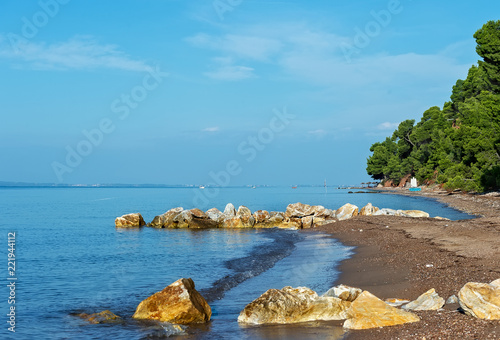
(397,257)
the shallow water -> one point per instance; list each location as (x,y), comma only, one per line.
(70,258)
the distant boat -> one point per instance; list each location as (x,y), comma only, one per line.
(294,187)
(202,187)
(254,187)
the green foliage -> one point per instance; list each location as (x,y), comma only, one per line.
(458,146)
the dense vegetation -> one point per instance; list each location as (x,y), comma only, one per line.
(459,145)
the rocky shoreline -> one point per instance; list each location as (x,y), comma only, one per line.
(404,257)
(395,257)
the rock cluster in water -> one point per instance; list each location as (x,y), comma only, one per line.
(296,216)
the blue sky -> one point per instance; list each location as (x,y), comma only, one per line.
(181,92)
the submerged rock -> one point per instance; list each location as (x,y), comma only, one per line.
(101,317)
(130,220)
(481,300)
(368,311)
(430,300)
(346,211)
(177,303)
(292,305)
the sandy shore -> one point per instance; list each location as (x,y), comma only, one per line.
(399,257)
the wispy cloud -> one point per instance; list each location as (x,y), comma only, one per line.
(225,69)
(81,52)
(315,55)
(242,46)
(211,129)
(387,126)
(318,132)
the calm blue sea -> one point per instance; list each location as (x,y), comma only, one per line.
(71,259)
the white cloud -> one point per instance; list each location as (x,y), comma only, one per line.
(387,126)
(242,46)
(224,69)
(211,129)
(318,132)
(81,52)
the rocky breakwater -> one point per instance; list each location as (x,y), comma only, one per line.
(296,216)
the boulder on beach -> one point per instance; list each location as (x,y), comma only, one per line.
(368,311)
(395,302)
(481,300)
(452,300)
(385,211)
(130,220)
(411,213)
(344,292)
(346,211)
(429,300)
(101,317)
(177,303)
(368,210)
(292,305)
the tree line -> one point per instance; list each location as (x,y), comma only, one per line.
(459,145)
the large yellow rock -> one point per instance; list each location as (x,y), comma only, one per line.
(130,220)
(292,305)
(430,300)
(481,300)
(368,311)
(368,210)
(178,303)
(346,211)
